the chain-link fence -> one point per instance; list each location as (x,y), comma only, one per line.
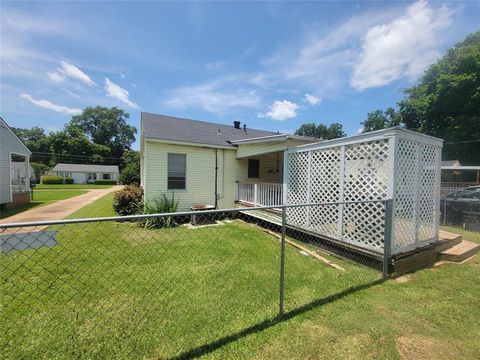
(158,286)
(461,209)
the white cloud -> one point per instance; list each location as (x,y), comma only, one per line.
(122,76)
(281,110)
(56,77)
(119,93)
(312,99)
(71,93)
(402,48)
(215,65)
(69,70)
(51,106)
(216,97)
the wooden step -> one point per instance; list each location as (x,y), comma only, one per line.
(459,252)
(446,240)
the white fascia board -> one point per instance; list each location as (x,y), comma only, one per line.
(268,138)
(186,143)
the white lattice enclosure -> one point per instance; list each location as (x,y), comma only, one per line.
(392,164)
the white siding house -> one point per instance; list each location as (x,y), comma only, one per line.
(86,173)
(14,185)
(208,163)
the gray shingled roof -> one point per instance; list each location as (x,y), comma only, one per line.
(194,131)
(86,168)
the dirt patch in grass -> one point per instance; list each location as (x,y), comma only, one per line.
(419,347)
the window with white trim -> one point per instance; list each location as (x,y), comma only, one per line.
(177,168)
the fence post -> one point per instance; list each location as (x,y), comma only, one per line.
(445,211)
(255,194)
(387,242)
(282,258)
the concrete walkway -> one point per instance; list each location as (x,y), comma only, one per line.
(59,209)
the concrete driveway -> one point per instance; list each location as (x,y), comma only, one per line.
(59,209)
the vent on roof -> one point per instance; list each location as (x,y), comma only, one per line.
(236,124)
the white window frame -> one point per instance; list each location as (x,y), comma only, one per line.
(185,172)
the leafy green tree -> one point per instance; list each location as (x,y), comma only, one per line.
(39,168)
(130,173)
(321,131)
(35,138)
(379,119)
(446,101)
(105,126)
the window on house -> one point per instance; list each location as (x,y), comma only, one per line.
(177,167)
(253,168)
(107,176)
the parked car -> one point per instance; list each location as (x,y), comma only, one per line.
(462,206)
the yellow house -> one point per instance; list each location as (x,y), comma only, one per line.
(212,164)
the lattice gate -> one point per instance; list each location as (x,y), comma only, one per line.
(388,164)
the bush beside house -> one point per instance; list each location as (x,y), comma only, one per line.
(128,200)
(105,182)
(51,179)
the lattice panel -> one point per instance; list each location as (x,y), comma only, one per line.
(366,178)
(430,190)
(364,225)
(405,194)
(325,188)
(366,171)
(298,179)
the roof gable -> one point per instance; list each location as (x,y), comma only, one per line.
(4,124)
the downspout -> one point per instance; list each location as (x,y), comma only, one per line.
(216,178)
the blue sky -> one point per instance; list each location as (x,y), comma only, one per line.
(271,65)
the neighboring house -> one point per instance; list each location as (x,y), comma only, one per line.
(212,164)
(14,168)
(86,173)
(456,176)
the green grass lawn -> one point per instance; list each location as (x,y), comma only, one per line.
(42,197)
(72,186)
(115,290)
(55,195)
(99,208)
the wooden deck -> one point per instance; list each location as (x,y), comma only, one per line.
(449,247)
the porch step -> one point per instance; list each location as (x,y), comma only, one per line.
(459,252)
(446,240)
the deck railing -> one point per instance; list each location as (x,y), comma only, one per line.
(263,194)
(19,185)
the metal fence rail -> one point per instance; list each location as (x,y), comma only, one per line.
(157,286)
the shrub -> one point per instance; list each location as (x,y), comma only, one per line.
(51,179)
(68,180)
(130,174)
(158,205)
(105,182)
(128,200)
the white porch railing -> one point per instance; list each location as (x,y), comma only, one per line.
(260,194)
(19,185)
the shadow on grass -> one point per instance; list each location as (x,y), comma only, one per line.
(217,344)
(4,213)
